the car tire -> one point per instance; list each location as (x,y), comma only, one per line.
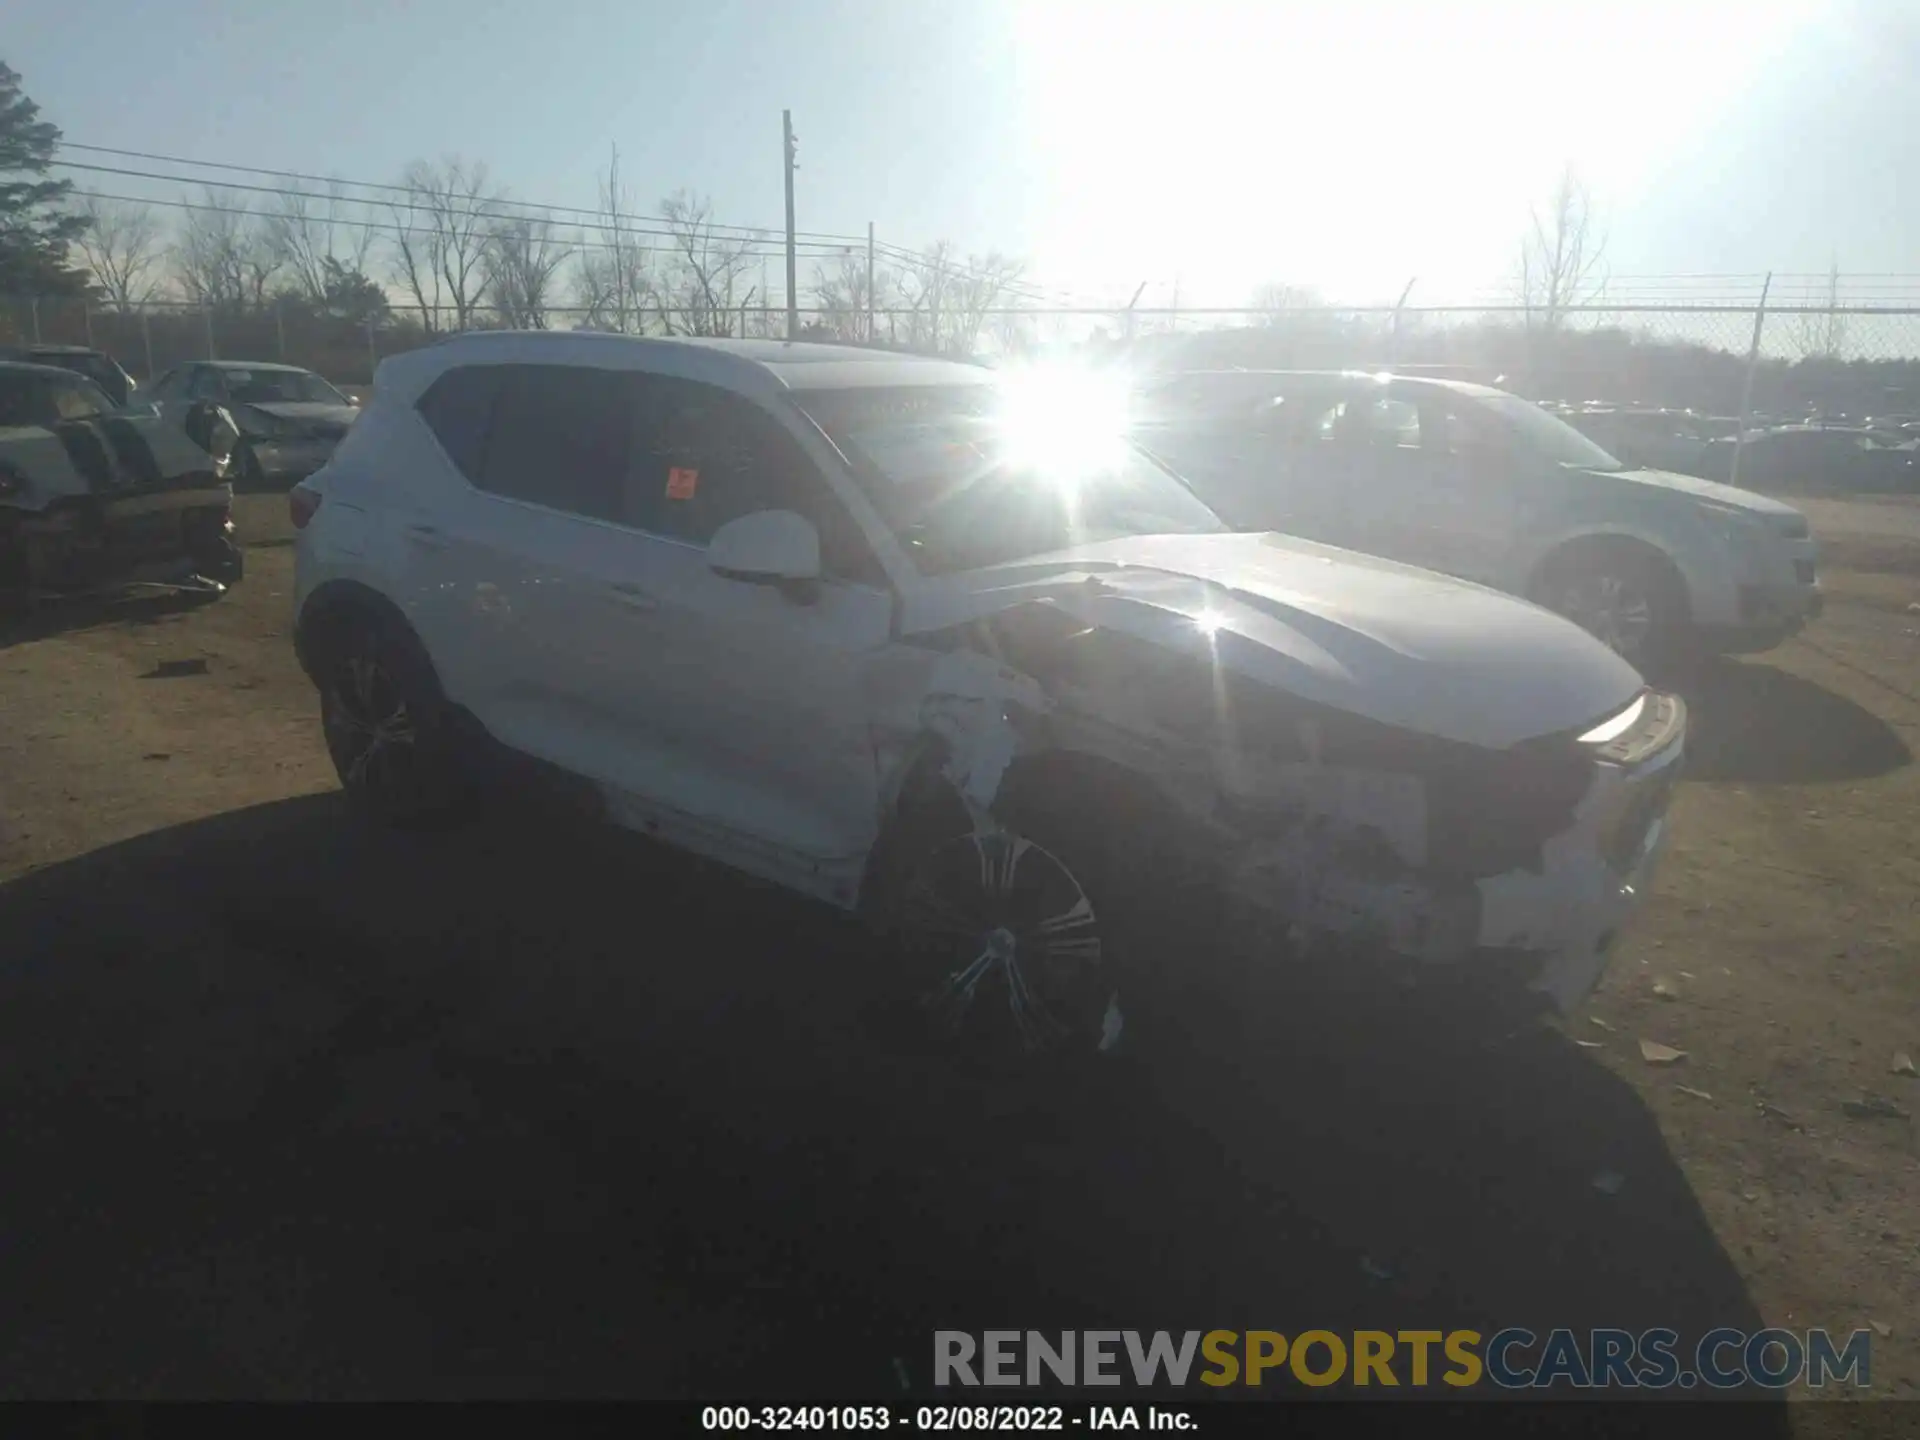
(388,728)
(1046,942)
(1626,597)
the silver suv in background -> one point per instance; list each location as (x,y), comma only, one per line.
(1484,485)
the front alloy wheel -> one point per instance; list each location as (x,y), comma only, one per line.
(1614,608)
(1006,948)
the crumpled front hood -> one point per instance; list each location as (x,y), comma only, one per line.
(1389,642)
(309,414)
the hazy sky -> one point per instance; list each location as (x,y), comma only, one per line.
(1347,146)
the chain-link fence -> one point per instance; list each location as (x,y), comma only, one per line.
(1849,359)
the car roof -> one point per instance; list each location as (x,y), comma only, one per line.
(50,350)
(747,365)
(1397,377)
(251,365)
(21,369)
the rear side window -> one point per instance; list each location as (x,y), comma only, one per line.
(560,438)
(458,408)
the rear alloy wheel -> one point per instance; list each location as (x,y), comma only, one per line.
(1623,600)
(1004,949)
(386,728)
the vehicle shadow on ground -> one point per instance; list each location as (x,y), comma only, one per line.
(1750,721)
(534,1109)
(68,617)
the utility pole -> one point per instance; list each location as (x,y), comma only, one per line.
(869,282)
(1746,387)
(793,280)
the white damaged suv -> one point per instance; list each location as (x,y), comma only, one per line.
(931,643)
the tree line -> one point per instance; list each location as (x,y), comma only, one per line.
(448,249)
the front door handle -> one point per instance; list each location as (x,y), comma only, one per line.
(428,537)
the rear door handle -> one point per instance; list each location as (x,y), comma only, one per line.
(428,537)
(632,596)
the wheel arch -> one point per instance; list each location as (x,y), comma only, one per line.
(338,601)
(1614,542)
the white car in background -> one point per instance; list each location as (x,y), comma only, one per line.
(931,643)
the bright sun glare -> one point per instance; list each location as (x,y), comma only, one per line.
(1066,421)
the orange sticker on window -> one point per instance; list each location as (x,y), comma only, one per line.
(682,483)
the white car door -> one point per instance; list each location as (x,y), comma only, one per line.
(751,699)
(508,562)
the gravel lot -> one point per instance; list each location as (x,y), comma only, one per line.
(525,1110)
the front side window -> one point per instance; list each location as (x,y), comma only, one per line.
(1530,428)
(703,456)
(206,385)
(937,467)
(81,401)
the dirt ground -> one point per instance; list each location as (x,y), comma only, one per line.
(293,1109)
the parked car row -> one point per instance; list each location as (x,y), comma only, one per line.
(937,646)
(1809,457)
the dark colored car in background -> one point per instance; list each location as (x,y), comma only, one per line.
(289,419)
(1814,459)
(1651,439)
(96,497)
(98,366)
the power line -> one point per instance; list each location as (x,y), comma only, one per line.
(388,187)
(816,243)
(379,228)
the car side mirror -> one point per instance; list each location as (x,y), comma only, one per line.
(769,547)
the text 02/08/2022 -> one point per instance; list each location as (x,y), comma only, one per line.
(941,1418)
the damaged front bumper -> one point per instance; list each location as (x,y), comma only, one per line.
(92,544)
(1547,925)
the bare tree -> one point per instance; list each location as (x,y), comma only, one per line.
(442,233)
(1822,335)
(306,232)
(926,287)
(948,300)
(613,279)
(217,257)
(523,258)
(1277,305)
(985,285)
(123,243)
(1560,257)
(840,289)
(703,270)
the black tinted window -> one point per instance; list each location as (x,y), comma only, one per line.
(560,438)
(20,401)
(703,456)
(458,408)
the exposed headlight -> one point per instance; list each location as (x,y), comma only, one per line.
(1614,728)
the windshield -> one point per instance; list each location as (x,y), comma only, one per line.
(937,463)
(276,387)
(1547,435)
